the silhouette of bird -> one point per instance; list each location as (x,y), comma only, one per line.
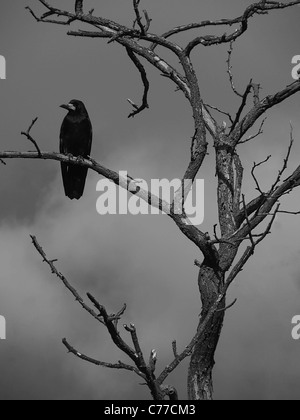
(76,139)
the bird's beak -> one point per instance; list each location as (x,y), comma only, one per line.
(69,107)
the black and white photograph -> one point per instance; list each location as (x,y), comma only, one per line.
(150,211)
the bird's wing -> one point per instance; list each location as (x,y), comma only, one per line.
(64,134)
(89,148)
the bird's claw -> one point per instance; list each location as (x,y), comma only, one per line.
(80,159)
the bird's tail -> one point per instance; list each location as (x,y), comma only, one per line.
(74,180)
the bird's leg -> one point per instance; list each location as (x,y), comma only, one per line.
(80,159)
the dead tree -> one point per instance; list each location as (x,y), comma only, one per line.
(238,219)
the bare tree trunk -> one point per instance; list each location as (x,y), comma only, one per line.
(200,384)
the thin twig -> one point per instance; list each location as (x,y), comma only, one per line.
(148,21)
(268,229)
(242,106)
(152,360)
(289,212)
(138,18)
(260,131)
(29,137)
(64,280)
(249,12)
(145,81)
(131,328)
(219,240)
(256,165)
(227,307)
(79,7)
(229,70)
(249,251)
(220,111)
(119,365)
(286,160)
(52,21)
(119,315)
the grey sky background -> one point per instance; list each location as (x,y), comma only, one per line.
(144,261)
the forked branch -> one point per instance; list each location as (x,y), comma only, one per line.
(145,81)
(30,138)
(110,322)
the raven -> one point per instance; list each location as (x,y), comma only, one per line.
(76,139)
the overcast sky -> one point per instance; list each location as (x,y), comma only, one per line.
(144,261)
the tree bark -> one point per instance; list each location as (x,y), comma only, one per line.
(200,383)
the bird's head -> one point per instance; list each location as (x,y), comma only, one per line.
(75,107)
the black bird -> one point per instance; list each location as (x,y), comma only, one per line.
(76,139)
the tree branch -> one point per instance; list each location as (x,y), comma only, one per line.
(285,162)
(227,22)
(54,270)
(138,17)
(229,71)
(125,182)
(220,111)
(242,106)
(256,165)
(110,322)
(131,328)
(268,102)
(189,348)
(208,40)
(145,81)
(128,183)
(260,131)
(29,137)
(79,7)
(268,202)
(249,251)
(119,365)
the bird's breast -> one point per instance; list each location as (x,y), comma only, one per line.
(76,137)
